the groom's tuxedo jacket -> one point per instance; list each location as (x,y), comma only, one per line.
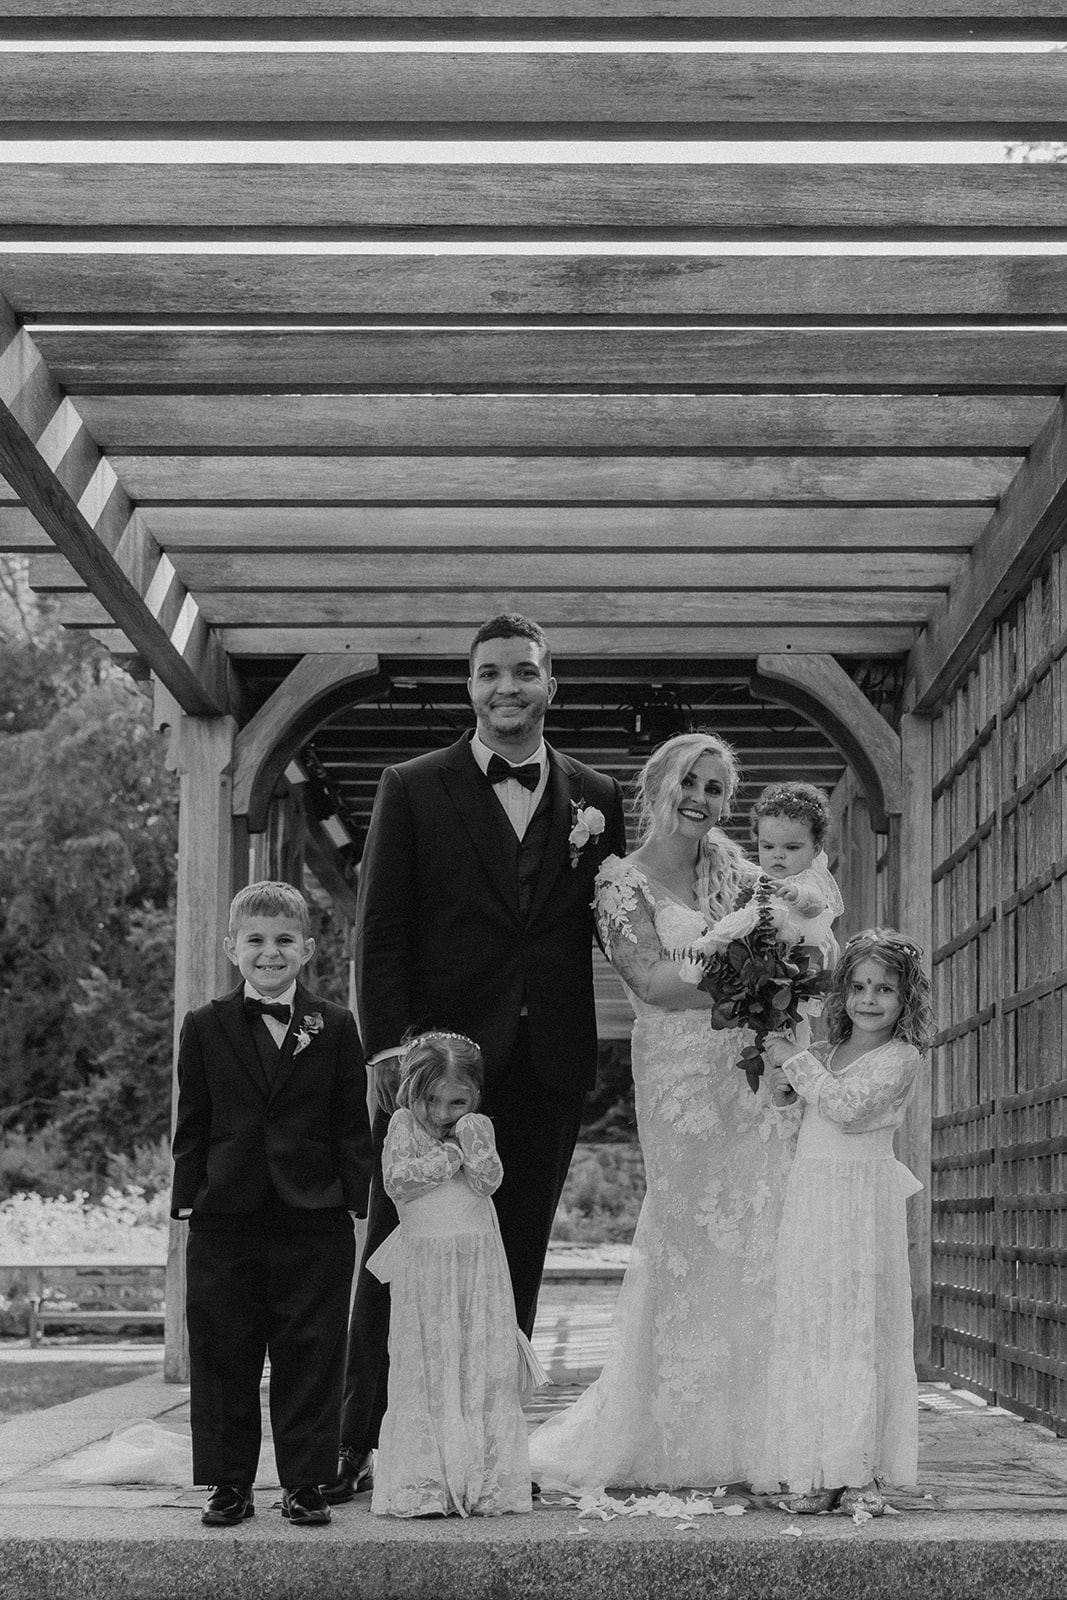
(441,937)
(299,1133)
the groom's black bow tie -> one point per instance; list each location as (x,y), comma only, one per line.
(267,1008)
(499,770)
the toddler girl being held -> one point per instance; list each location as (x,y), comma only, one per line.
(453,1440)
(790,822)
(842,1392)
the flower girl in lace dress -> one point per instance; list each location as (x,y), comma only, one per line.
(841,1390)
(453,1441)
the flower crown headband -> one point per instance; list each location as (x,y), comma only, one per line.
(892,941)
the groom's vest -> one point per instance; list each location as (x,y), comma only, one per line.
(530,852)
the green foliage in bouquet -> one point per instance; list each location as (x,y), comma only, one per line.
(759,983)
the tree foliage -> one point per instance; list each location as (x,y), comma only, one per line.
(88,837)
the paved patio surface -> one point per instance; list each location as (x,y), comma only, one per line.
(987,1519)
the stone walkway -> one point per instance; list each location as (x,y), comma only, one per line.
(986,1521)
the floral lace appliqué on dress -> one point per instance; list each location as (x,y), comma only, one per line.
(680,1401)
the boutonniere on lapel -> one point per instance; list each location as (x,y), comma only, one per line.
(309,1027)
(586,823)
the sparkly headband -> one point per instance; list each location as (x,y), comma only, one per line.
(433,1033)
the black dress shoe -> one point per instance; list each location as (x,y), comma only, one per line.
(305,1505)
(355,1473)
(229,1504)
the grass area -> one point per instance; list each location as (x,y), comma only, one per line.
(27,1386)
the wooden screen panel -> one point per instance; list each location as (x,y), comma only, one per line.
(1032,1106)
(1000,1093)
(963,1157)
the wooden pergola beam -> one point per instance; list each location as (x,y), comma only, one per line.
(1030,520)
(50,459)
(778,18)
(841,529)
(609,359)
(520,424)
(707,477)
(316,282)
(1020,95)
(731,640)
(618,199)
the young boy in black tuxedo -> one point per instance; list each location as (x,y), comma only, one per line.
(272,1155)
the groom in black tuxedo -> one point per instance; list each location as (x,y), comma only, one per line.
(474,915)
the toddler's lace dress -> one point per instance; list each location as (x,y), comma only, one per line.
(453,1439)
(681,1398)
(842,1394)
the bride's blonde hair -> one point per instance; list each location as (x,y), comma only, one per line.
(722,866)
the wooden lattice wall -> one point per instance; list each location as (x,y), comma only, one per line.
(999,1182)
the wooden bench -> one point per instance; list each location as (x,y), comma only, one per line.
(95,1295)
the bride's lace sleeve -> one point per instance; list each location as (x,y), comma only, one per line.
(869,1095)
(482,1167)
(412,1162)
(624,919)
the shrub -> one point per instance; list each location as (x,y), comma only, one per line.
(602,1195)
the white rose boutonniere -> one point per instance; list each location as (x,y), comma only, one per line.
(587,822)
(309,1027)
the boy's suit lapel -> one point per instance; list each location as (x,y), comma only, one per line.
(230,1011)
(303,1002)
(481,814)
(565,783)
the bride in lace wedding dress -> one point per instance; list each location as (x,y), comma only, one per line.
(680,1401)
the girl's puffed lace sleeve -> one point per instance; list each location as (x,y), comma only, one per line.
(624,919)
(412,1162)
(868,1095)
(482,1167)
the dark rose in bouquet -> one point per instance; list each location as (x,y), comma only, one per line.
(757,981)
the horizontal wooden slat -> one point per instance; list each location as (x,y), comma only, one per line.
(553,609)
(978,423)
(731,641)
(631,570)
(214,527)
(625,199)
(712,92)
(827,17)
(938,479)
(306,284)
(503,359)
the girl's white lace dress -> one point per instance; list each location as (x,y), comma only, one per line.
(681,1399)
(842,1395)
(453,1439)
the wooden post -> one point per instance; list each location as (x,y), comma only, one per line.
(201,752)
(914,891)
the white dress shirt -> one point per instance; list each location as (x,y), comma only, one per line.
(519,802)
(278,1030)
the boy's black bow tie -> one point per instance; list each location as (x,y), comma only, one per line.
(499,770)
(267,1008)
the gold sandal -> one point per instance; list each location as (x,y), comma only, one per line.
(812,1503)
(868,1499)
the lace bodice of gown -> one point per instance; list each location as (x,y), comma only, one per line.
(680,1400)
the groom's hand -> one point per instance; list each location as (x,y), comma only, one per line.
(387,1080)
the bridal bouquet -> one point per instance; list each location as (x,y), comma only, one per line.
(756,979)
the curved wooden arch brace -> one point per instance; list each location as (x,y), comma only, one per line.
(318,686)
(820,687)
